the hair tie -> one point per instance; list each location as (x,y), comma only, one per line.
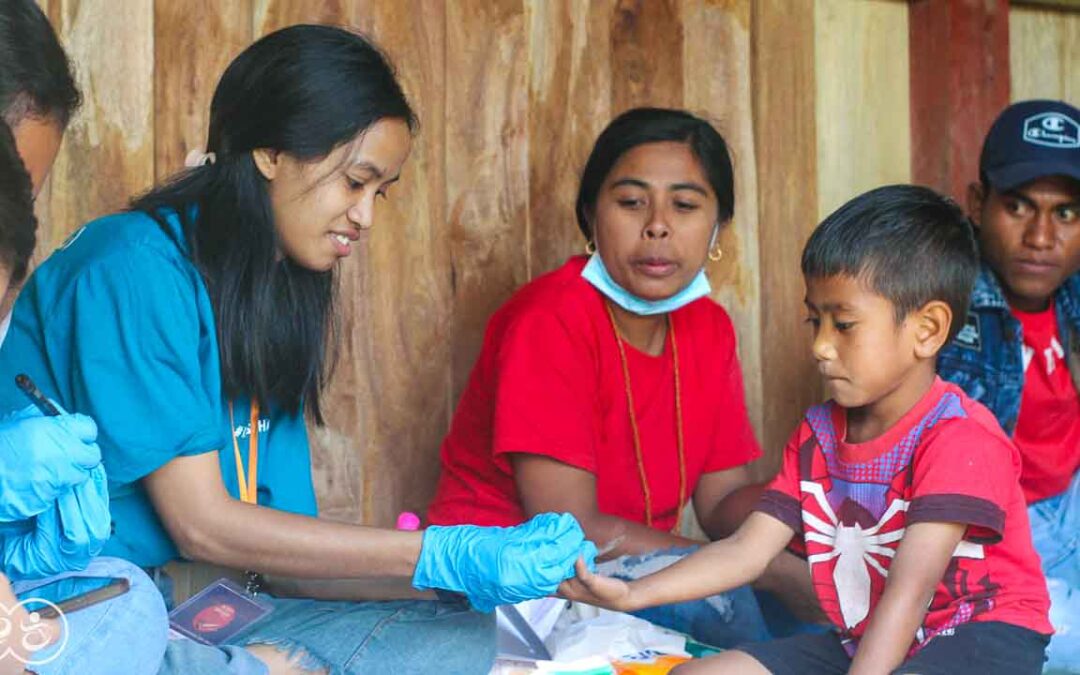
(199,158)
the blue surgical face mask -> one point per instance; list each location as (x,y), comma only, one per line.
(597,275)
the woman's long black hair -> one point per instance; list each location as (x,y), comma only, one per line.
(303,91)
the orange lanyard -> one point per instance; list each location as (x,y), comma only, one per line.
(248,485)
(634,425)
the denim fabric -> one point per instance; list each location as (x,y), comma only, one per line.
(126,634)
(986,357)
(344,638)
(403,636)
(187,657)
(1055,529)
(722,620)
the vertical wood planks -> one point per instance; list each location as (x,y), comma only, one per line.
(646,54)
(785,133)
(569,105)
(108,152)
(716,85)
(1044,54)
(270,15)
(487,166)
(959,77)
(193,43)
(863,119)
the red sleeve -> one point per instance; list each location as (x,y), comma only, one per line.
(734,440)
(782,497)
(544,391)
(963,474)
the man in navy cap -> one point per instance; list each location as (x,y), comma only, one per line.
(1018,351)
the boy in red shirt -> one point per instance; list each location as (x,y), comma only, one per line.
(901,491)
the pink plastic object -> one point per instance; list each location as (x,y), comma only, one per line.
(407,520)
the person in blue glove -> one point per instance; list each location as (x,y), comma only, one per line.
(196,329)
(54,508)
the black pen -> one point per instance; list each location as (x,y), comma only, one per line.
(23,381)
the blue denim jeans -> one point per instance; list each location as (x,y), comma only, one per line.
(1055,529)
(401,636)
(723,620)
(126,634)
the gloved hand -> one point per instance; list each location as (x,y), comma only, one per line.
(502,565)
(66,536)
(42,458)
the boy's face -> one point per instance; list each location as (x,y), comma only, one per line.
(1030,236)
(861,352)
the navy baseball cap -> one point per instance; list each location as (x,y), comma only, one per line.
(1030,140)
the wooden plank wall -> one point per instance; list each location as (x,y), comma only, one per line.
(811,94)
(1044,53)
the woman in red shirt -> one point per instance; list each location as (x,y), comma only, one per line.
(610,388)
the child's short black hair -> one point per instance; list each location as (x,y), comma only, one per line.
(907,243)
(35,74)
(17,223)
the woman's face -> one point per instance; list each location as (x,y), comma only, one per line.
(38,140)
(654,218)
(322,208)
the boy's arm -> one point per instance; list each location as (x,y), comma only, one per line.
(921,559)
(712,569)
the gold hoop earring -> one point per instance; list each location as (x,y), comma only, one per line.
(590,247)
(716,254)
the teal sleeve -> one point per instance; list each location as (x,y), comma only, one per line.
(141,362)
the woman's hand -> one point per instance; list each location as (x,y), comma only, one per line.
(593,589)
(502,565)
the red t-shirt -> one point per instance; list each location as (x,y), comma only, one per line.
(946,460)
(1048,428)
(549,381)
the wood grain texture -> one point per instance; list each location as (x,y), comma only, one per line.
(108,151)
(569,105)
(716,77)
(785,133)
(1044,54)
(271,15)
(487,170)
(193,43)
(646,54)
(959,76)
(389,406)
(863,119)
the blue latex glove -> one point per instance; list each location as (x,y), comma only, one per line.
(42,458)
(502,565)
(66,536)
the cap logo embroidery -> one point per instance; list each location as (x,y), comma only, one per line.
(1053,130)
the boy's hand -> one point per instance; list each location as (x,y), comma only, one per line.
(594,589)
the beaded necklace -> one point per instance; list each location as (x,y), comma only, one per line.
(634,425)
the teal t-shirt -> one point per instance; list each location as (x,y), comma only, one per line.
(117,324)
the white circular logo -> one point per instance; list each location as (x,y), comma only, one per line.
(31,631)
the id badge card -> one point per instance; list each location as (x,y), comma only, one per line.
(217,613)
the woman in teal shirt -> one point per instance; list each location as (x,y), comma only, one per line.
(198,331)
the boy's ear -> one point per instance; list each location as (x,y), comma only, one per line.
(932,323)
(976,197)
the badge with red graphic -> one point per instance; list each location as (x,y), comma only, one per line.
(218,612)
